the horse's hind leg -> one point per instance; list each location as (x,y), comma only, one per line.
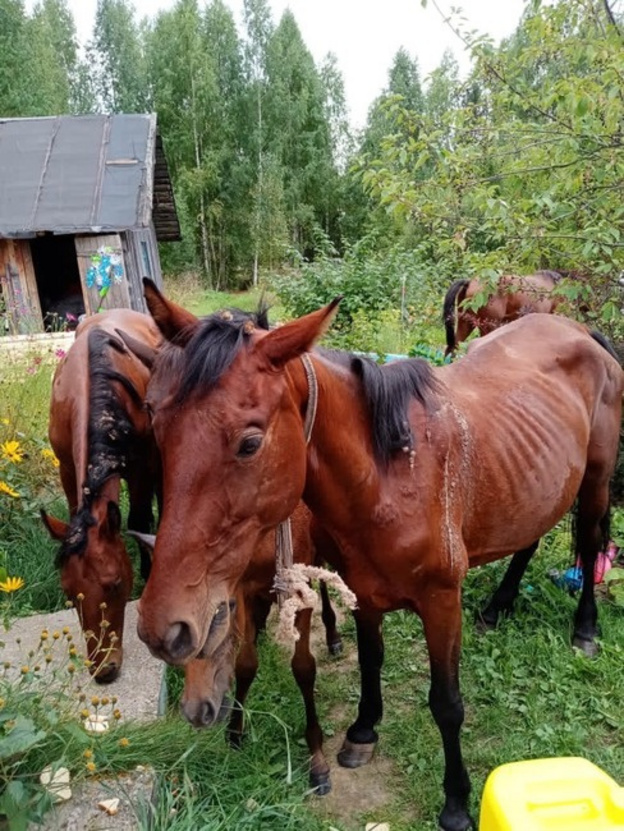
(592,535)
(304,671)
(328,616)
(505,595)
(361,738)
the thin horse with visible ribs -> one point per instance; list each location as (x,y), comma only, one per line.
(101,434)
(416,474)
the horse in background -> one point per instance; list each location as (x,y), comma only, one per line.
(416,473)
(514,297)
(101,434)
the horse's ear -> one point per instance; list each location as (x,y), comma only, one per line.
(175,323)
(111,527)
(293,339)
(148,540)
(146,354)
(56,528)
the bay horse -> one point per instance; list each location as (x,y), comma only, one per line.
(101,435)
(207,680)
(416,473)
(514,297)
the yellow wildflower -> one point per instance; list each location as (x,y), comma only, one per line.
(12,451)
(47,453)
(90,766)
(11,584)
(4,488)
(124,742)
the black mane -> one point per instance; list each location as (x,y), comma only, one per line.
(213,347)
(110,434)
(388,390)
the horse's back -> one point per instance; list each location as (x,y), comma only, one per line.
(69,402)
(541,403)
(137,324)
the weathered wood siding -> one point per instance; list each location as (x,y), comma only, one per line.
(19,287)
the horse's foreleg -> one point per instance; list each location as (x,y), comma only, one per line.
(592,530)
(141,517)
(260,608)
(505,595)
(245,671)
(361,738)
(304,670)
(328,616)
(442,622)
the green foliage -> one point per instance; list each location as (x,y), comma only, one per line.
(524,172)
(615,585)
(116,59)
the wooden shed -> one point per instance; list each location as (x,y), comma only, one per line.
(83,202)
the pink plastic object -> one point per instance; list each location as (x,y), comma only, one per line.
(604,562)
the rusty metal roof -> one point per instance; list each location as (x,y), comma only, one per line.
(84,174)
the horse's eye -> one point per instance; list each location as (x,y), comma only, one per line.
(249,445)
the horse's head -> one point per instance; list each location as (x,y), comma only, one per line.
(96,576)
(206,684)
(233,457)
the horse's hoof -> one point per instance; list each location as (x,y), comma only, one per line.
(335,648)
(587,647)
(456,822)
(484,622)
(320,783)
(352,755)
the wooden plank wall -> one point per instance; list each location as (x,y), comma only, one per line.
(88,248)
(19,287)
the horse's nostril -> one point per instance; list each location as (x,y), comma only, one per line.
(179,640)
(208,714)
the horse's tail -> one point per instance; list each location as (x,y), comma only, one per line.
(454,295)
(606,344)
(616,490)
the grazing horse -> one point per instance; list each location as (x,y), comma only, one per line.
(513,298)
(101,434)
(207,680)
(416,473)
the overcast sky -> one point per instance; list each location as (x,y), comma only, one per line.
(364,34)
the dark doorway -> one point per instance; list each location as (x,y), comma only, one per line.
(58,281)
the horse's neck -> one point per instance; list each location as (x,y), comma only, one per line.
(340,457)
